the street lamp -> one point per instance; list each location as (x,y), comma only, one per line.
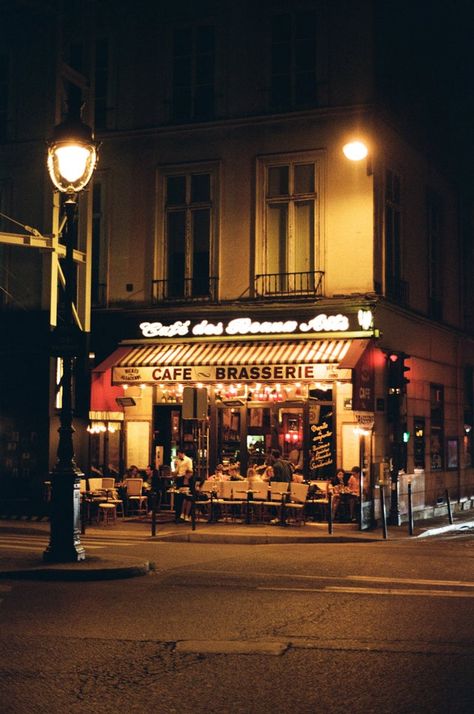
(72,157)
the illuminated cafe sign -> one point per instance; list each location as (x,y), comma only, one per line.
(228,373)
(246,326)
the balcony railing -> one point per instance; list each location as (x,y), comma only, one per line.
(289,284)
(186,290)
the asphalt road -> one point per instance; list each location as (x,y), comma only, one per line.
(383,627)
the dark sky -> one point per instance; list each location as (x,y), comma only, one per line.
(431,49)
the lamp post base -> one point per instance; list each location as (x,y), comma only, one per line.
(65,543)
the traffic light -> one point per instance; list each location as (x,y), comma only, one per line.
(397,368)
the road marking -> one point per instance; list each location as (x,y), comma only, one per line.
(364,578)
(375,591)
(412,581)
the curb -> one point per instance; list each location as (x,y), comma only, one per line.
(242,539)
(91,569)
(462,526)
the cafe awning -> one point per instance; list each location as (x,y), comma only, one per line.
(275,352)
(103,394)
(224,361)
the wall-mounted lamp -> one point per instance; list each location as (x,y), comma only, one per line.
(357,151)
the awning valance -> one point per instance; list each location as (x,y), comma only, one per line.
(226,361)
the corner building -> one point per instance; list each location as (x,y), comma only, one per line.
(237,250)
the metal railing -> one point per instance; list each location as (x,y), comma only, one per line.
(289,284)
(188,290)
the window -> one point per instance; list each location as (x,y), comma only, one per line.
(102,84)
(396,288)
(434,228)
(190,207)
(289,224)
(193,73)
(4,96)
(293,60)
(437,427)
(99,245)
(419,443)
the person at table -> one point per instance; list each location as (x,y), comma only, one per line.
(268,474)
(255,480)
(353,484)
(337,486)
(219,474)
(282,471)
(182,463)
(157,487)
(234,473)
(184,486)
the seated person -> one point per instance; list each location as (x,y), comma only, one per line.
(219,474)
(336,486)
(234,474)
(297,476)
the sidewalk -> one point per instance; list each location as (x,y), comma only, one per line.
(25,564)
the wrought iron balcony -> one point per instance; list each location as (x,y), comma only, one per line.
(185,290)
(289,284)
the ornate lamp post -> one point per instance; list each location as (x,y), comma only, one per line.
(72,157)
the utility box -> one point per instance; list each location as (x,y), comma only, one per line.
(194,403)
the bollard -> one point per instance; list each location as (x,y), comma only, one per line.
(448,503)
(249,500)
(383,512)
(83,516)
(410,510)
(330,513)
(283,510)
(153,515)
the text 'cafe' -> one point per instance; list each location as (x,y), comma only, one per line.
(284,383)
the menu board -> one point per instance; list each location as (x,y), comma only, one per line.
(322,441)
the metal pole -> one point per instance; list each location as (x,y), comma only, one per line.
(410,510)
(383,511)
(330,513)
(448,503)
(65,545)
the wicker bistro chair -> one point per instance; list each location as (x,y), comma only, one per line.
(108,485)
(233,497)
(296,506)
(279,493)
(137,502)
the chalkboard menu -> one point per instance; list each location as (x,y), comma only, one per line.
(322,441)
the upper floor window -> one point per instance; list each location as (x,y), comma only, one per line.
(287,255)
(4,96)
(189,242)
(99,245)
(102,84)
(434,231)
(293,60)
(193,73)
(395,287)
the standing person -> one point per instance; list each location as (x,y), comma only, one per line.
(182,463)
(353,485)
(157,487)
(282,471)
(186,486)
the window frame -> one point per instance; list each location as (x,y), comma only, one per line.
(212,168)
(318,158)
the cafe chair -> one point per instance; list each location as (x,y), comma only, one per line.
(272,507)
(135,497)
(296,506)
(233,496)
(108,485)
(107,513)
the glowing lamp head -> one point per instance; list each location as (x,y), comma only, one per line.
(355,150)
(72,156)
